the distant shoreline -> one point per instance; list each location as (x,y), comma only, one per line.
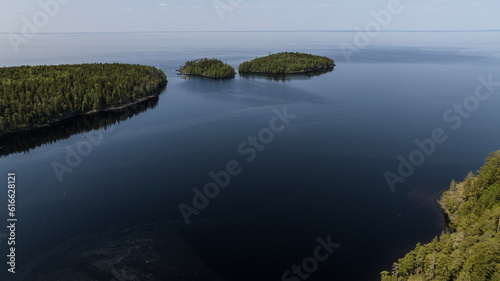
(249,31)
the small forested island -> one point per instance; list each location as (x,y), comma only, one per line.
(286,63)
(472,250)
(35,96)
(212,68)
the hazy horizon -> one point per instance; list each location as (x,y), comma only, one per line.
(236,31)
(66,16)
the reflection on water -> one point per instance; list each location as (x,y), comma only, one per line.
(24,141)
(117,217)
(285,77)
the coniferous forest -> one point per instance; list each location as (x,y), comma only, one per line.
(286,62)
(33,96)
(25,140)
(472,250)
(212,68)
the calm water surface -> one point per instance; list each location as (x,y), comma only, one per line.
(116,214)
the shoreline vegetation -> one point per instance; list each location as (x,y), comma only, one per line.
(471,250)
(23,141)
(211,68)
(39,96)
(286,63)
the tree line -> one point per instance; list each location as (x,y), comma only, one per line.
(213,68)
(286,62)
(281,63)
(472,250)
(26,140)
(32,96)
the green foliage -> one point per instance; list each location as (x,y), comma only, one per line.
(32,96)
(24,141)
(472,251)
(386,276)
(212,68)
(286,62)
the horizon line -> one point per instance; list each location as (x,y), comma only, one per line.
(243,31)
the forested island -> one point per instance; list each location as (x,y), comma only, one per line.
(286,63)
(472,250)
(25,140)
(35,96)
(205,67)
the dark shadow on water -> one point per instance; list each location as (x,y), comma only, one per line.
(251,92)
(27,140)
(285,77)
(144,252)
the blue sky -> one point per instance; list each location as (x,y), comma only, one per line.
(193,15)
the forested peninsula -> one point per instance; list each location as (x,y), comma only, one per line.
(472,250)
(286,63)
(35,96)
(212,68)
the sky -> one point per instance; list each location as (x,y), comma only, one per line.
(47,16)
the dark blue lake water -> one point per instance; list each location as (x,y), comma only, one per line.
(116,214)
